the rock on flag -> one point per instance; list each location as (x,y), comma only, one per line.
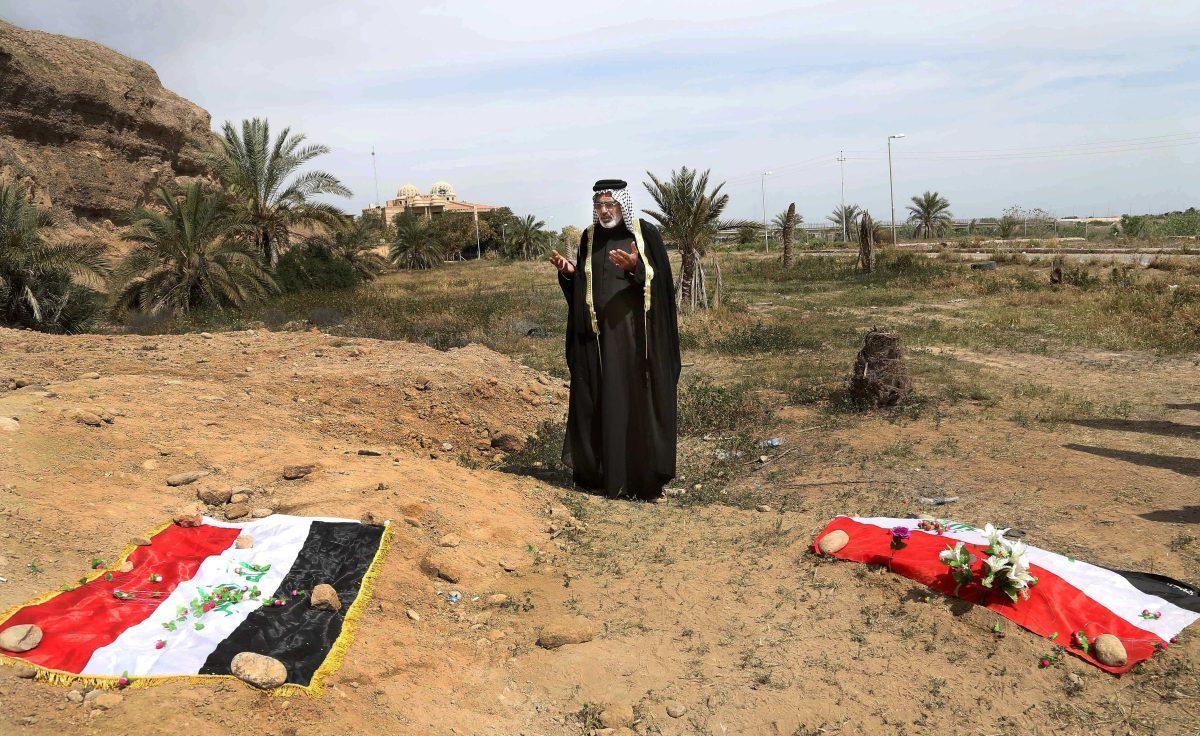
(188,602)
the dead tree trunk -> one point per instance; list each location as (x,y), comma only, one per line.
(880,372)
(716,301)
(789,228)
(866,242)
(690,292)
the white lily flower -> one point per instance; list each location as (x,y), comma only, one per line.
(995,537)
(947,555)
(1019,578)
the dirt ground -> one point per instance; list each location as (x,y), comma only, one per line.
(718,612)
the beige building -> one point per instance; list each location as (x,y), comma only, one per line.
(440,200)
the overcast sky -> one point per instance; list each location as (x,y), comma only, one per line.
(526,103)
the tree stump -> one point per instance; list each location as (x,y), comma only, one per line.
(880,372)
(787,236)
(866,242)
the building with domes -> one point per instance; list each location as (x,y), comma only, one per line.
(440,200)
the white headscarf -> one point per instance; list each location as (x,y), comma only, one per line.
(623,198)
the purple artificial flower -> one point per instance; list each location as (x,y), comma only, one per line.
(901,532)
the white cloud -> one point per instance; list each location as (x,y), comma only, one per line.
(526,103)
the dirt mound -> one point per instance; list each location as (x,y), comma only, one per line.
(393,397)
(87,130)
(222,416)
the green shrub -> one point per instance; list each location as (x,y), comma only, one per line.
(911,268)
(708,407)
(541,457)
(764,338)
(1182,223)
(1122,276)
(314,267)
(1079,276)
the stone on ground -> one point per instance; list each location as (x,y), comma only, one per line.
(617,715)
(450,540)
(566,630)
(9,425)
(106,701)
(86,418)
(508,440)
(443,565)
(214,495)
(244,541)
(189,516)
(676,709)
(236,510)
(24,672)
(186,477)
(259,670)
(296,472)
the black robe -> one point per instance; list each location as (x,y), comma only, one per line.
(621,422)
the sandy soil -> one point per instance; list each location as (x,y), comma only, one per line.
(719,612)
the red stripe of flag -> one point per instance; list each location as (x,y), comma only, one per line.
(76,623)
(1054,604)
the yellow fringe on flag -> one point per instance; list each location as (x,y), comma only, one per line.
(333,660)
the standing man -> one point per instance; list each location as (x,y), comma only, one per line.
(622,350)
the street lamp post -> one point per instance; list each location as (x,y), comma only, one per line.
(891,184)
(763,181)
(478,249)
(845,227)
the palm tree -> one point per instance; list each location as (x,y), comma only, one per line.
(355,241)
(37,277)
(266,187)
(778,223)
(931,213)
(845,217)
(187,256)
(415,245)
(688,215)
(527,236)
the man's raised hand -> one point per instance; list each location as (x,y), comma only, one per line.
(564,266)
(625,261)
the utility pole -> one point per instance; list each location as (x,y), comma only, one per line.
(845,228)
(375,170)
(763,181)
(475,213)
(892,186)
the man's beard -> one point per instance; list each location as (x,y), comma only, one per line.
(610,223)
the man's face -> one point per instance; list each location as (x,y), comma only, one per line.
(608,210)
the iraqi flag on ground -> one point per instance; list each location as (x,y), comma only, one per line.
(1072,603)
(195,597)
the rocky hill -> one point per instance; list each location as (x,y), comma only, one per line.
(87,130)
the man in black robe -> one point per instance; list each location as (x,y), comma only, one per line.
(622,350)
